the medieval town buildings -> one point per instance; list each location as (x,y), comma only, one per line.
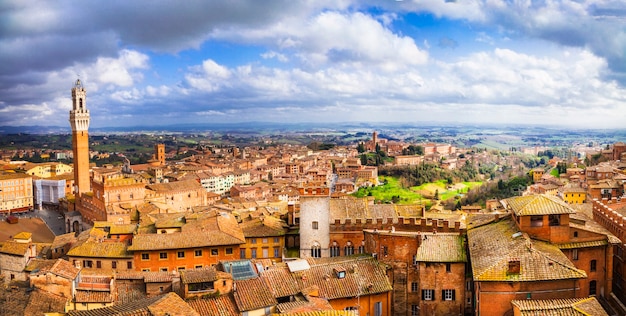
(274,231)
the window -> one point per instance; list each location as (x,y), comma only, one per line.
(163,269)
(315,225)
(554,219)
(415,310)
(361,249)
(385,250)
(253,253)
(592,267)
(180,268)
(198,266)
(253,240)
(575,234)
(113,264)
(145,270)
(162,255)
(129,265)
(448,267)
(198,253)
(145,256)
(316,252)
(229,251)
(334,251)
(448,295)
(592,288)
(214,252)
(276,252)
(378,309)
(414,286)
(98,264)
(242,253)
(348,249)
(264,240)
(575,254)
(276,240)
(428,295)
(87,263)
(536,221)
(180,254)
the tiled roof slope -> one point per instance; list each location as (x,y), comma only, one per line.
(266,226)
(560,307)
(210,231)
(493,246)
(252,294)
(62,268)
(208,274)
(320,313)
(41,302)
(175,186)
(95,249)
(441,248)
(281,282)
(538,205)
(360,208)
(223,305)
(157,305)
(14,248)
(311,304)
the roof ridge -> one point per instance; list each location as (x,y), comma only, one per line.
(572,267)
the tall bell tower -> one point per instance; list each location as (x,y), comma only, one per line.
(79,120)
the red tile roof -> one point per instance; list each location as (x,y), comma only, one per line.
(252,294)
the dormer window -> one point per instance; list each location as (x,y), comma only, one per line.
(514,266)
(340,273)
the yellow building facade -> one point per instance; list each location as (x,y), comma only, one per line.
(16,192)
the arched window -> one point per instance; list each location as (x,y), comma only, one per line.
(362,247)
(316,251)
(348,249)
(334,250)
(592,288)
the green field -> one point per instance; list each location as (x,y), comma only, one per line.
(425,192)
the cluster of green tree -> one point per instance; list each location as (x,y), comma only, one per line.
(417,175)
(413,150)
(320,146)
(595,159)
(500,189)
(377,158)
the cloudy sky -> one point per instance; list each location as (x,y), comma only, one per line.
(560,63)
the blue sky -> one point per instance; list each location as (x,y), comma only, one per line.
(559,63)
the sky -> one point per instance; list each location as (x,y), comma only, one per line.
(159,63)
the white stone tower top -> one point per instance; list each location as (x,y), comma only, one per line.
(79,115)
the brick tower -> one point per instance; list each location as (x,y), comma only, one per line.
(159,153)
(79,120)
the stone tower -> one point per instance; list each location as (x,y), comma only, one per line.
(314,221)
(159,153)
(79,120)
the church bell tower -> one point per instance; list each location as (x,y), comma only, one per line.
(79,120)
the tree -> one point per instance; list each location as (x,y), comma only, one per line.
(360,148)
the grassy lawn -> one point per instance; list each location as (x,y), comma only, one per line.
(415,194)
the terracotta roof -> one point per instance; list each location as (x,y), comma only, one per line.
(320,313)
(60,267)
(157,305)
(223,305)
(281,282)
(266,226)
(62,240)
(14,248)
(82,296)
(560,307)
(252,294)
(23,236)
(185,185)
(310,304)
(208,274)
(493,246)
(582,244)
(537,205)
(441,248)
(41,302)
(94,249)
(182,240)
